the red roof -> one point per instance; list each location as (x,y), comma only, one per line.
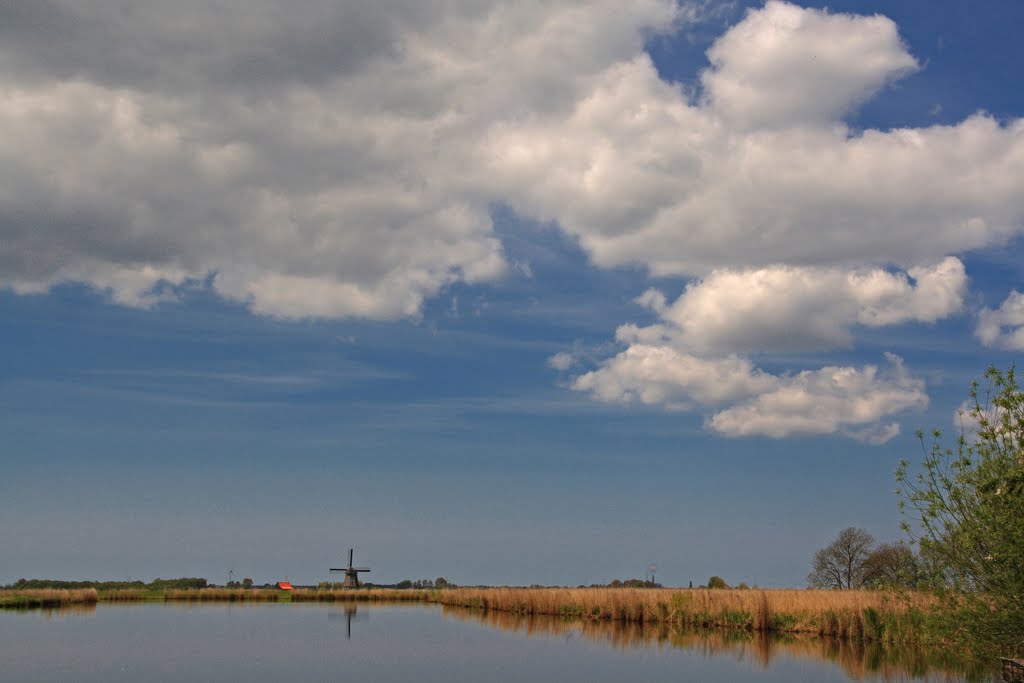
(285,586)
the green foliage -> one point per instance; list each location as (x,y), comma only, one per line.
(156,584)
(736,619)
(873,626)
(717,582)
(36,584)
(633,583)
(782,622)
(965,508)
(892,565)
(680,602)
(183,583)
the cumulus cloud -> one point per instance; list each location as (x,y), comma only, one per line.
(335,159)
(784,65)
(746,401)
(660,375)
(696,355)
(340,159)
(854,402)
(763,171)
(787,308)
(319,159)
(1003,327)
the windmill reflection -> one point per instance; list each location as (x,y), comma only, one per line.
(348,615)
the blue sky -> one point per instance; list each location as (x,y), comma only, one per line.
(498,292)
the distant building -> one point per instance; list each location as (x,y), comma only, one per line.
(285,586)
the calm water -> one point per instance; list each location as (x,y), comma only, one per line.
(260,642)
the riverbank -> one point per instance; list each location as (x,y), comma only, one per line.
(853,615)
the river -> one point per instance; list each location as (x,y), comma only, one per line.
(314,642)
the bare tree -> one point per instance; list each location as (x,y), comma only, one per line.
(843,562)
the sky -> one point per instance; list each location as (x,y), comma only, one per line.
(505,292)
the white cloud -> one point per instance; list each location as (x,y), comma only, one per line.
(337,159)
(1003,327)
(659,375)
(786,308)
(850,401)
(746,401)
(563,360)
(784,65)
(642,175)
(695,356)
(316,161)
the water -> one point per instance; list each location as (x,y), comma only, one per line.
(299,642)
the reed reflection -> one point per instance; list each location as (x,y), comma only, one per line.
(64,611)
(871,661)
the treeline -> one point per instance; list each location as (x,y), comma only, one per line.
(439,582)
(155,584)
(855,560)
(628,583)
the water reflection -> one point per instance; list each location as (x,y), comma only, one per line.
(872,661)
(347,614)
(261,643)
(64,611)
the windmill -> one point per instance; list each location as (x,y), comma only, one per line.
(651,569)
(351,573)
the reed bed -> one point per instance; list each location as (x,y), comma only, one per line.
(854,615)
(47,597)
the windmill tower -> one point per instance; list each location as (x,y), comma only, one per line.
(351,573)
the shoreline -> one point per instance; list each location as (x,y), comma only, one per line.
(864,616)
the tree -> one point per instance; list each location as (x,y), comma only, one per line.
(965,507)
(246,583)
(891,565)
(841,564)
(717,582)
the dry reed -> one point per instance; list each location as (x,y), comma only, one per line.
(855,615)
